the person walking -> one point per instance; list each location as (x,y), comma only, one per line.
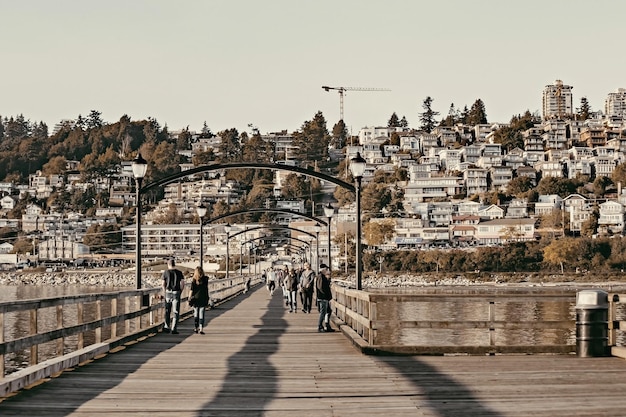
(199,298)
(173,284)
(291,285)
(324,295)
(271,280)
(307,279)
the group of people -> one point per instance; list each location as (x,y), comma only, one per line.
(296,284)
(302,284)
(199,298)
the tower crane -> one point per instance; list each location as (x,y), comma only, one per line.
(342,91)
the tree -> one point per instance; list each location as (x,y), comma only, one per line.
(393,121)
(339,135)
(519,186)
(427,117)
(452,118)
(619,174)
(101,237)
(477,114)
(600,184)
(311,142)
(56,165)
(584,111)
(560,252)
(378,232)
(230,146)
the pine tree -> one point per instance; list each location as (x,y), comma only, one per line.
(427,117)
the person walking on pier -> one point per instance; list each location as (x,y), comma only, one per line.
(271,280)
(306,287)
(291,285)
(324,295)
(199,298)
(173,284)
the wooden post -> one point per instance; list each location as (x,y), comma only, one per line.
(113,314)
(80,310)
(492,318)
(34,349)
(60,341)
(98,331)
(1,341)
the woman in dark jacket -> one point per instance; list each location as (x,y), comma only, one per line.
(199,298)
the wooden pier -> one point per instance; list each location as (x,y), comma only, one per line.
(257,359)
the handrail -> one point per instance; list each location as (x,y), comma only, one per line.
(98,322)
(360,312)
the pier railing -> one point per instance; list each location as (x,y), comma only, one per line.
(388,323)
(57,333)
(617,324)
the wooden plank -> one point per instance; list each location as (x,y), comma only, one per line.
(256,359)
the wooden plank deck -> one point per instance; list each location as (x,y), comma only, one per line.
(259,360)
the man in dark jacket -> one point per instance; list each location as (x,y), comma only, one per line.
(324,295)
(173,284)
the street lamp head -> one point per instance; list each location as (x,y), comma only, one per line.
(227,228)
(140,166)
(357,165)
(329,210)
(201,210)
(317,228)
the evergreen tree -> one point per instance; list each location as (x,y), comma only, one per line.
(477,114)
(339,136)
(427,117)
(393,121)
(311,142)
(584,112)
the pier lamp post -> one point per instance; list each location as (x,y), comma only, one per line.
(201,210)
(227,230)
(317,229)
(140,166)
(329,211)
(357,167)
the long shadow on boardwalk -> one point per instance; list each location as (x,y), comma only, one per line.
(440,393)
(82,384)
(245,367)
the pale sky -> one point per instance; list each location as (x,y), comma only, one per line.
(263,62)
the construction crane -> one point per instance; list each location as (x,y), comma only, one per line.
(342,91)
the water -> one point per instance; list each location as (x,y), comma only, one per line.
(17,324)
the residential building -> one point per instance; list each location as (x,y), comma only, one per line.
(557,101)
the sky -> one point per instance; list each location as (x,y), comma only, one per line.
(236,63)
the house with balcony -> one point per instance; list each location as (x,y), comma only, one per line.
(500,176)
(611,219)
(491,212)
(499,231)
(476,180)
(424,189)
(546,204)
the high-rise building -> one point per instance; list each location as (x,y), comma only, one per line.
(557,101)
(615,103)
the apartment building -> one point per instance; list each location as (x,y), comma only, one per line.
(557,101)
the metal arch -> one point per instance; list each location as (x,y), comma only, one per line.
(277,227)
(281,237)
(259,210)
(239,165)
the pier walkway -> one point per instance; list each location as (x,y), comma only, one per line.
(257,359)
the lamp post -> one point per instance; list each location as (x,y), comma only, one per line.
(357,167)
(201,210)
(227,230)
(317,229)
(140,166)
(329,211)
